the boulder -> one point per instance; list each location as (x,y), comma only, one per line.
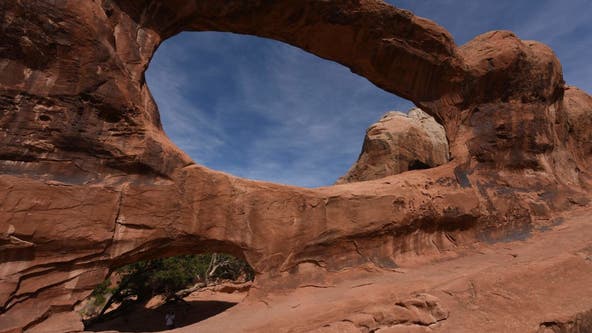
(399,142)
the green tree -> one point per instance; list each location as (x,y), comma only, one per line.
(142,280)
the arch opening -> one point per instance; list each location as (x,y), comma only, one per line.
(158,294)
(261,109)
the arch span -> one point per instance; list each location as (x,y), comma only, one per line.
(90,180)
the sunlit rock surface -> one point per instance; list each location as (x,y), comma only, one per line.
(496,240)
(399,142)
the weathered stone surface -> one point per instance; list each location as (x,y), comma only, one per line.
(89,181)
(397,143)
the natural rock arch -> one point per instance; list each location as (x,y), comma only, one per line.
(90,181)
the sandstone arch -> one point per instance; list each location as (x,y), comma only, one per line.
(89,180)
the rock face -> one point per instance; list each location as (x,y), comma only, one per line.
(498,239)
(397,143)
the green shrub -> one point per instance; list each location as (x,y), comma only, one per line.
(165,276)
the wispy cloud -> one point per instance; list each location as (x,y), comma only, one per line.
(186,122)
(281,114)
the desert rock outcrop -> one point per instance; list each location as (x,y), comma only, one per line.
(399,142)
(89,181)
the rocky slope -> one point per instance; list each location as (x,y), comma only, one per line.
(397,143)
(89,181)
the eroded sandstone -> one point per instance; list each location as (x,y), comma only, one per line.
(399,142)
(90,181)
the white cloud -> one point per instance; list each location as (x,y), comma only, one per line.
(188,125)
(312,113)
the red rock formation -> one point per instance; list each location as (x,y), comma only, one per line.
(399,142)
(89,180)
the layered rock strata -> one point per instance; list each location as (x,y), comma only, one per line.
(89,181)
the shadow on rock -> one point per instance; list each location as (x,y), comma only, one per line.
(137,318)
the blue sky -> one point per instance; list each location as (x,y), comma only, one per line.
(265,110)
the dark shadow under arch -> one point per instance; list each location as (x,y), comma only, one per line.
(138,297)
(141,319)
